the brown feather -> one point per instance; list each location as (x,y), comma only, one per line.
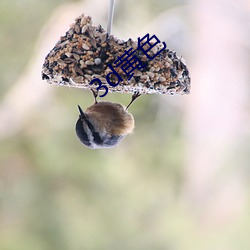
(111,117)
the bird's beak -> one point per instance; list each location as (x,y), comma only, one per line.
(82,115)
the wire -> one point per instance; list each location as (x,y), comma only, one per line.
(110,15)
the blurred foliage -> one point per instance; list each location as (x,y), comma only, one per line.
(20,23)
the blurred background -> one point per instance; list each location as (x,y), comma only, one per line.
(180,182)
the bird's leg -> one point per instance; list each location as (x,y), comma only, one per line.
(95,94)
(134,97)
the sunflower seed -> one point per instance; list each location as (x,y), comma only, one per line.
(88,62)
(85,46)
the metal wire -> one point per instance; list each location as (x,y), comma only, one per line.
(110,15)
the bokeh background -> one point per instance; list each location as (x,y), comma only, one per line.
(180,182)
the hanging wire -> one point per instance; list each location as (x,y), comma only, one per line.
(110,16)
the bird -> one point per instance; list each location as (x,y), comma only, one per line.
(104,124)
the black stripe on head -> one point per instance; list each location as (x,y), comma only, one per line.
(81,133)
(97,139)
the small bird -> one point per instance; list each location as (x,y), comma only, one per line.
(104,124)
